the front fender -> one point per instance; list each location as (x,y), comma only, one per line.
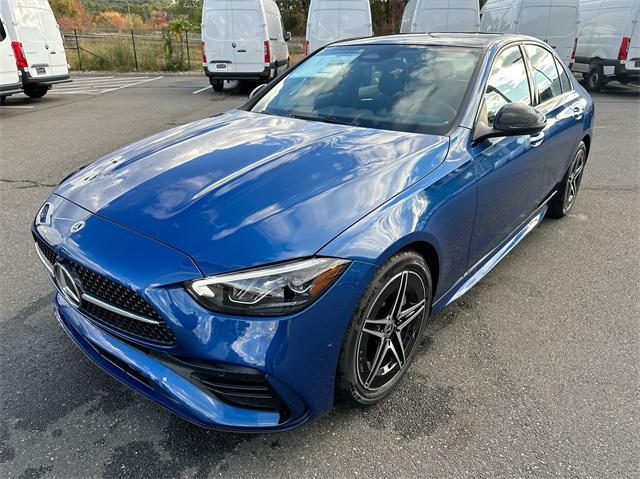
(438,210)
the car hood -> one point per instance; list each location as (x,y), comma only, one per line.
(243,189)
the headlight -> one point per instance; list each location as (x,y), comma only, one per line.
(269,291)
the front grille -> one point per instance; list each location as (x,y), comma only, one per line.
(47,250)
(117,295)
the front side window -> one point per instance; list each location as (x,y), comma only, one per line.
(393,87)
(545,73)
(508,83)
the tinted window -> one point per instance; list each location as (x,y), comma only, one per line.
(507,83)
(394,87)
(564,78)
(545,74)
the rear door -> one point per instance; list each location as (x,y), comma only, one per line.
(562,30)
(217,35)
(32,37)
(53,42)
(248,37)
(533,20)
(564,109)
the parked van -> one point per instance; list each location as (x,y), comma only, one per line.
(608,42)
(243,40)
(332,20)
(552,21)
(422,16)
(10,81)
(37,44)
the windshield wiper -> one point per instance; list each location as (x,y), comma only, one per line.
(324,119)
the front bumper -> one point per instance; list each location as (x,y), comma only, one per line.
(297,355)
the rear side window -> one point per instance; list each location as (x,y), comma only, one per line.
(508,83)
(545,73)
(564,78)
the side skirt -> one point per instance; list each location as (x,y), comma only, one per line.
(486,264)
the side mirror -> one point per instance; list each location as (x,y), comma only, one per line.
(513,119)
(287,36)
(256,90)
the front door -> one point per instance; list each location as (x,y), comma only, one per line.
(509,169)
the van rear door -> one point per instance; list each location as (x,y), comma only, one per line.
(249,35)
(53,43)
(32,37)
(562,30)
(217,35)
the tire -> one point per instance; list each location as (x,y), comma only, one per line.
(595,79)
(369,368)
(567,192)
(217,85)
(3,99)
(36,91)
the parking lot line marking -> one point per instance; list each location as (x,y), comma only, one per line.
(133,84)
(201,89)
(73,92)
(91,79)
(16,107)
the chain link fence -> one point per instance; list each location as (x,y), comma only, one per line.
(129,51)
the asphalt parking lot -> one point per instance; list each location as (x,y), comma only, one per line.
(534,373)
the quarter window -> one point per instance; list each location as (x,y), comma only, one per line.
(508,83)
(545,73)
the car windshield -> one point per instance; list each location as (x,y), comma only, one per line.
(394,87)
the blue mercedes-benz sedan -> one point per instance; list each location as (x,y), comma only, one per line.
(244,270)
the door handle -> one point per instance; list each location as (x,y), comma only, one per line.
(578,112)
(242,51)
(536,140)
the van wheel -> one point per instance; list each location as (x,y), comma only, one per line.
(3,99)
(217,85)
(595,80)
(36,91)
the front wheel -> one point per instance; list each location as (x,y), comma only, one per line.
(568,190)
(36,91)
(386,329)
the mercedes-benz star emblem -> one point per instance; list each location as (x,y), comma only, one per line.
(67,285)
(77,226)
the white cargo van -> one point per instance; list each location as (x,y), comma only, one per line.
(9,74)
(37,44)
(423,16)
(552,21)
(332,20)
(243,40)
(608,42)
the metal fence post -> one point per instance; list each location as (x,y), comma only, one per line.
(186,33)
(75,34)
(135,54)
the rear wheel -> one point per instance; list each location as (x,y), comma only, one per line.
(386,329)
(36,91)
(568,191)
(216,84)
(595,80)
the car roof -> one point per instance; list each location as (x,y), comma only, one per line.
(469,40)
